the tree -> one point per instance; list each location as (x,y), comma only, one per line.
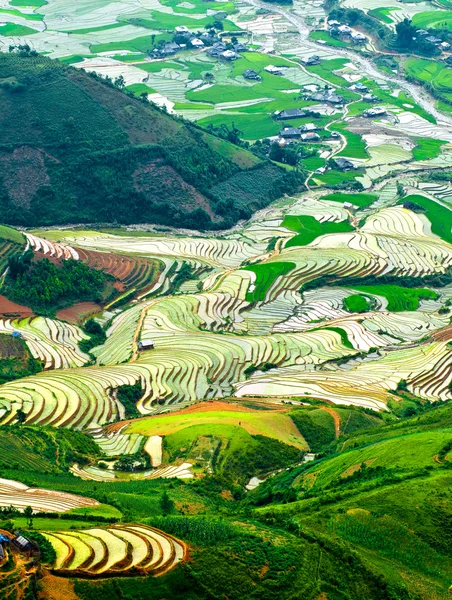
(21,416)
(405,33)
(28,514)
(166,504)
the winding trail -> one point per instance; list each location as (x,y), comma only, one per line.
(425,100)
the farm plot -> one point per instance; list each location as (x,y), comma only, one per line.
(427,370)
(53,342)
(116,550)
(274,424)
(14,493)
(92,473)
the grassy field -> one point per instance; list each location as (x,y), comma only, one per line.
(266,274)
(361,200)
(334,177)
(308,229)
(431,72)
(271,424)
(356,303)
(13,30)
(439,215)
(382,14)
(326,69)
(399,298)
(427,148)
(355,147)
(324,36)
(435,19)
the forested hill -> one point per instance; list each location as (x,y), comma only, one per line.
(75,149)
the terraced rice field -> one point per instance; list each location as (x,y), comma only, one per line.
(14,493)
(115,550)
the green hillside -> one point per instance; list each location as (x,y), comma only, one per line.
(88,152)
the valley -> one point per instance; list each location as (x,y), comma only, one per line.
(225,300)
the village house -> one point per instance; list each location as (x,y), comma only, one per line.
(333,24)
(291,113)
(197,43)
(449,60)
(273,70)
(229,55)
(240,47)
(348,206)
(358,87)
(343,164)
(216,50)
(311,60)
(251,74)
(309,127)
(146,344)
(328,96)
(369,98)
(344,30)
(358,38)
(444,46)
(181,29)
(290,132)
(378,111)
(310,137)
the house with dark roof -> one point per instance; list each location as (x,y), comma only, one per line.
(343,164)
(311,60)
(291,113)
(251,74)
(146,345)
(290,132)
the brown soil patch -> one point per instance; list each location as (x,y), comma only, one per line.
(12,308)
(56,588)
(356,467)
(226,495)
(337,420)
(23,172)
(78,312)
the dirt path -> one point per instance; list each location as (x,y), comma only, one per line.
(337,419)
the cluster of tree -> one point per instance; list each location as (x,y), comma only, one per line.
(45,286)
(129,395)
(97,336)
(132,462)
(231,135)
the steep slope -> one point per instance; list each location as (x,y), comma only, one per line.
(74,148)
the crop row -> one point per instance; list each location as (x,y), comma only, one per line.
(116,550)
(14,493)
(51,341)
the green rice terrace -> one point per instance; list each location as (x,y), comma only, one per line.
(225,300)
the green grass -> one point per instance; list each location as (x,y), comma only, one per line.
(140,88)
(165,21)
(102,510)
(74,58)
(343,335)
(435,19)
(336,177)
(356,304)
(8,233)
(271,424)
(46,524)
(17,13)
(439,216)
(361,200)
(312,163)
(13,30)
(427,148)
(325,70)
(356,147)
(257,127)
(308,229)
(34,3)
(399,298)
(431,72)
(409,452)
(325,36)
(266,274)
(140,44)
(95,29)
(382,14)
(241,157)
